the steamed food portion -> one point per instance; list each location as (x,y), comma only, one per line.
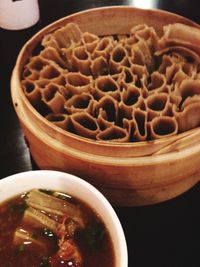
(122,88)
(50,228)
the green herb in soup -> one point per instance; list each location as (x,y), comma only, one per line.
(52,229)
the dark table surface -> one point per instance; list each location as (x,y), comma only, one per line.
(165,234)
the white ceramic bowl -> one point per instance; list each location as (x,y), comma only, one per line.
(53,180)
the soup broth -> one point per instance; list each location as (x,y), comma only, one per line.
(48,228)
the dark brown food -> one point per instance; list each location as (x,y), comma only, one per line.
(47,228)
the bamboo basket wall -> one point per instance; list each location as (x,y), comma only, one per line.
(127,174)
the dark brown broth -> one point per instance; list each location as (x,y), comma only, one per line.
(11,213)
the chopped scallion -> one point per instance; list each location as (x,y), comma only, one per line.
(45,261)
(21,248)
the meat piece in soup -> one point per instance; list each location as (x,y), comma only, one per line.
(52,229)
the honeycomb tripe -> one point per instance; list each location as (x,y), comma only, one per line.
(132,87)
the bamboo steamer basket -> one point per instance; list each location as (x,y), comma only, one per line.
(127,174)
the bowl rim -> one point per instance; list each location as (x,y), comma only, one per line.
(21,182)
(15,79)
